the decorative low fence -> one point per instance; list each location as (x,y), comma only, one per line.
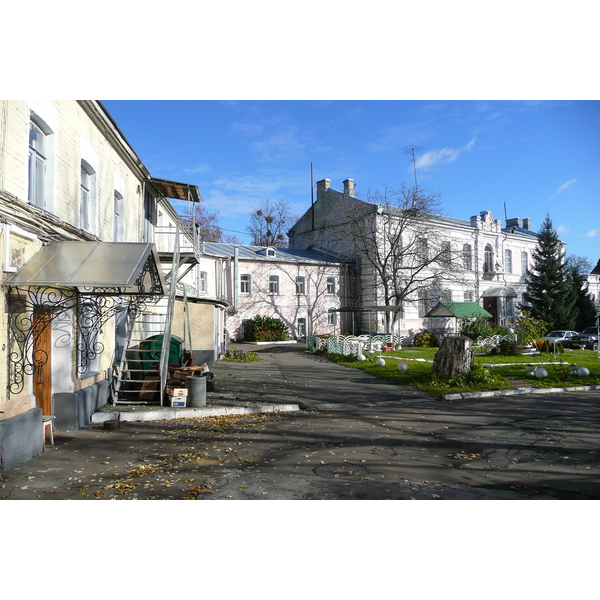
(494,340)
(351,344)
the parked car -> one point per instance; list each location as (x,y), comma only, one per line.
(588,338)
(559,336)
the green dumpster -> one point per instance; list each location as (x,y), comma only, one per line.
(151,348)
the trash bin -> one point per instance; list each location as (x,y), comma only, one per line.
(196,387)
(151,349)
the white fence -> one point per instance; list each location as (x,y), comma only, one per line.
(351,344)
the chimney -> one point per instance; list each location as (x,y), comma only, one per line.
(513,222)
(322,187)
(349,187)
(526,223)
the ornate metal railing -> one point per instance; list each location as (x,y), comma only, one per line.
(351,344)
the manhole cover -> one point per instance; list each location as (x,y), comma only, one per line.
(340,471)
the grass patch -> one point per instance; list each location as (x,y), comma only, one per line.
(484,378)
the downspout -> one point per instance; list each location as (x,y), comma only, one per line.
(235,279)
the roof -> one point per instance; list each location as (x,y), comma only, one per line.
(133,267)
(462,310)
(176,190)
(285,255)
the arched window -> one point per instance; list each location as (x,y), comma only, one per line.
(467,257)
(488,259)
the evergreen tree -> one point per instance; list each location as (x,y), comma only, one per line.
(585,309)
(549,285)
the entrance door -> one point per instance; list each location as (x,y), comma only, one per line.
(491,305)
(42,375)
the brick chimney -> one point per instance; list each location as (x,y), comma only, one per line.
(526,223)
(349,187)
(322,187)
(513,222)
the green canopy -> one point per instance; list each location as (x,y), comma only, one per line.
(462,310)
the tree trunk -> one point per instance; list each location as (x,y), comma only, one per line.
(453,358)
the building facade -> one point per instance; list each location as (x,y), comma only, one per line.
(442,259)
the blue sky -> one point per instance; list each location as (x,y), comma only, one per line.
(536,157)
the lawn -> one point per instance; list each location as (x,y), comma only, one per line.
(495,377)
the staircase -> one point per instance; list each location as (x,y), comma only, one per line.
(141,370)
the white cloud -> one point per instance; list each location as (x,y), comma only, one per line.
(445,155)
(562,229)
(562,188)
(593,233)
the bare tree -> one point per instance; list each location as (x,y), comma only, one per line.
(208,226)
(403,253)
(270,223)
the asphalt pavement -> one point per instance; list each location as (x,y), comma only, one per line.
(341,434)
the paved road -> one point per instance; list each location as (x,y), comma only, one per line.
(356,438)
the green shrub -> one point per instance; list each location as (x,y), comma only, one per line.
(480,328)
(426,339)
(529,328)
(266,329)
(507,348)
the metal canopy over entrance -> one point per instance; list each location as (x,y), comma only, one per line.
(82,285)
(176,190)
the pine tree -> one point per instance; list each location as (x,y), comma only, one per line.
(584,308)
(549,290)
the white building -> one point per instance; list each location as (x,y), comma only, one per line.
(302,288)
(476,260)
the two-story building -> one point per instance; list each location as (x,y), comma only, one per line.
(418,261)
(78,218)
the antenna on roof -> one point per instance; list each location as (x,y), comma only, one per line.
(411,150)
(312,196)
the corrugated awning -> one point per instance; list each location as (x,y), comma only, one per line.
(462,310)
(176,190)
(109,268)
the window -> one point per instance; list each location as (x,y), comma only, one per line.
(488,260)
(274,284)
(38,157)
(446,255)
(422,250)
(271,252)
(300,286)
(118,218)
(446,296)
(301,327)
(468,297)
(510,307)
(88,346)
(508,261)
(203,282)
(331,285)
(245,282)
(467,257)
(524,263)
(87,193)
(331,318)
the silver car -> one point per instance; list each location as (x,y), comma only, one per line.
(559,336)
(588,338)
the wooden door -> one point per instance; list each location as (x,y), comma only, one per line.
(42,376)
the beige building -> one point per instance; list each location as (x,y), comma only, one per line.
(79,216)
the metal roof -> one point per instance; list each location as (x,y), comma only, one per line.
(91,265)
(176,190)
(469,310)
(259,253)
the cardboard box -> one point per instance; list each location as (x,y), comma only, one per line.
(178,402)
(176,391)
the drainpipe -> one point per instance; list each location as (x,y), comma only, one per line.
(235,278)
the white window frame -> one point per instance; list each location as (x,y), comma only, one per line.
(203,282)
(274,285)
(331,286)
(331,318)
(245,282)
(468,297)
(301,327)
(468,257)
(118,217)
(300,285)
(524,262)
(508,268)
(87,197)
(488,259)
(40,162)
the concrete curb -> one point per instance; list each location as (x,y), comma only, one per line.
(188,413)
(518,391)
